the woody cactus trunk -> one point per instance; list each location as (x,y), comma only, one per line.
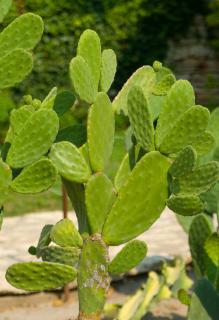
(160,168)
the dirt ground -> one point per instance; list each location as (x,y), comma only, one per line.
(51,306)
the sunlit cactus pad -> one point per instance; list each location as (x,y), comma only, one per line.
(129,257)
(65,234)
(69,162)
(34,140)
(35,178)
(39,276)
(137,205)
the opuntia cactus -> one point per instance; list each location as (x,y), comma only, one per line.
(109,212)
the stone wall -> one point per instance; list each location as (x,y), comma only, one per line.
(192,58)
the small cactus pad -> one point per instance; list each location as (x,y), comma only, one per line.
(203,143)
(82,80)
(14,67)
(186,205)
(122,173)
(144,77)
(34,140)
(210,198)
(44,239)
(100,132)
(140,118)
(108,69)
(35,178)
(137,206)
(89,48)
(5,180)
(65,234)
(18,118)
(129,257)
(66,255)
(99,199)
(93,280)
(180,98)
(200,180)
(199,232)
(69,162)
(4,8)
(184,163)
(189,126)
(163,86)
(39,276)
(22,33)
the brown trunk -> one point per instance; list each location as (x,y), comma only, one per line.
(93,316)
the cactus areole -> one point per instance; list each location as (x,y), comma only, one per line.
(160,168)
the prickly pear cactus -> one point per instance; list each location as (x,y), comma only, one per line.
(159,168)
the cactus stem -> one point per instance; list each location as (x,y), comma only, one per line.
(93,278)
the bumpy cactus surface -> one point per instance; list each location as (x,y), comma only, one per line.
(16,41)
(159,168)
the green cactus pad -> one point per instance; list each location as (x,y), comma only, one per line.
(66,255)
(211,199)
(34,140)
(212,248)
(186,205)
(69,162)
(184,163)
(39,276)
(144,77)
(137,206)
(179,99)
(5,180)
(4,8)
(190,125)
(163,86)
(82,80)
(35,178)
(44,239)
(93,279)
(129,257)
(89,48)
(22,33)
(14,67)
(99,199)
(100,131)
(122,173)
(18,118)
(140,118)
(203,143)
(108,69)
(199,232)
(65,234)
(200,180)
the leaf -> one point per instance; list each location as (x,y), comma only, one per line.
(108,69)
(186,205)
(184,163)
(63,102)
